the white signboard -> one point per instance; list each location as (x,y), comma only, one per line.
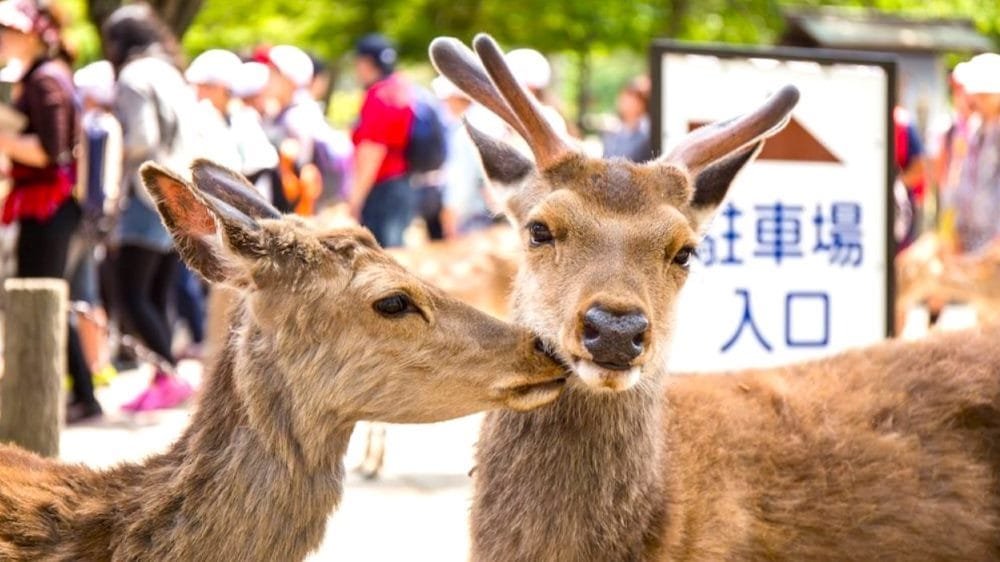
(797,263)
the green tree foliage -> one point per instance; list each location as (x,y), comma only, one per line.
(590,34)
(177,14)
(550,25)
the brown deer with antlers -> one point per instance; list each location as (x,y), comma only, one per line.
(890,453)
(329,331)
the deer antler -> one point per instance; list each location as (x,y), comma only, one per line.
(710,143)
(457,63)
(496,88)
(542,138)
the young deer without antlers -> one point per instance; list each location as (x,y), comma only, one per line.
(890,453)
(330,330)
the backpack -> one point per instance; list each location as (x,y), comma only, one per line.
(427,146)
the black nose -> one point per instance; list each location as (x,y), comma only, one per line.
(614,339)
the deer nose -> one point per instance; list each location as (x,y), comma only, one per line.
(614,339)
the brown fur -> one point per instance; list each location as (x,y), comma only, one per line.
(888,453)
(924,275)
(259,470)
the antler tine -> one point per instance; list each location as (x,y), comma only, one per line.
(543,140)
(456,62)
(709,144)
(224,184)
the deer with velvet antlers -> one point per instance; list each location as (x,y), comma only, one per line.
(889,453)
(329,330)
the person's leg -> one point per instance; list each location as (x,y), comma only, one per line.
(401,203)
(42,251)
(430,203)
(373,214)
(163,290)
(388,211)
(42,247)
(92,325)
(83,387)
(190,302)
(149,295)
(137,270)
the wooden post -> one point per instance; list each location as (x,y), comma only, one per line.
(35,364)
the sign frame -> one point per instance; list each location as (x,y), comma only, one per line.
(659,48)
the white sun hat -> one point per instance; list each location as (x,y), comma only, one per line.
(530,68)
(981,75)
(444,89)
(250,79)
(96,81)
(214,66)
(292,63)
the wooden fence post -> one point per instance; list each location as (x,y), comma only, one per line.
(34,364)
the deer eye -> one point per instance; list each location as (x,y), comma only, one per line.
(395,306)
(683,257)
(539,233)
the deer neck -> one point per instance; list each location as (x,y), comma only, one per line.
(232,487)
(579,480)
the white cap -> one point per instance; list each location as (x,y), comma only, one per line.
(96,81)
(214,66)
(292,63)
(444,89)
(960,73)
(17,15)
(981,74)
(250,79)
(530,67)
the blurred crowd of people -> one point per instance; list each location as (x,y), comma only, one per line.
(966,166)
(75,142)
(950,185)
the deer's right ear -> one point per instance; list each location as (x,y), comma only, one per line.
(505,166)
(194,222)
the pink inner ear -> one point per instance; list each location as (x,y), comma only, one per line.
(189,213)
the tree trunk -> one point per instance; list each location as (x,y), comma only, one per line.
(177,14)
(34,364)
(677,12)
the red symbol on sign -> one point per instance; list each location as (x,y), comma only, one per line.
(793,143)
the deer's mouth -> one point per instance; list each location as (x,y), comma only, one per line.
(530,396)
(605,376)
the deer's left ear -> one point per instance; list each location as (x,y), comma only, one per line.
(712,183)
(210,235)
(508,171)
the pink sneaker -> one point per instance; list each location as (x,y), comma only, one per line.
(164,392)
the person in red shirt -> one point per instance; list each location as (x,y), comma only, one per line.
(381,197)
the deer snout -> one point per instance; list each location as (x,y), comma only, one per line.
(614,339)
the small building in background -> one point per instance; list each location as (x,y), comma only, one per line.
(919,44)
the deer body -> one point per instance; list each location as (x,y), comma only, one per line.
(222,492)
(889,453)
(329,330)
